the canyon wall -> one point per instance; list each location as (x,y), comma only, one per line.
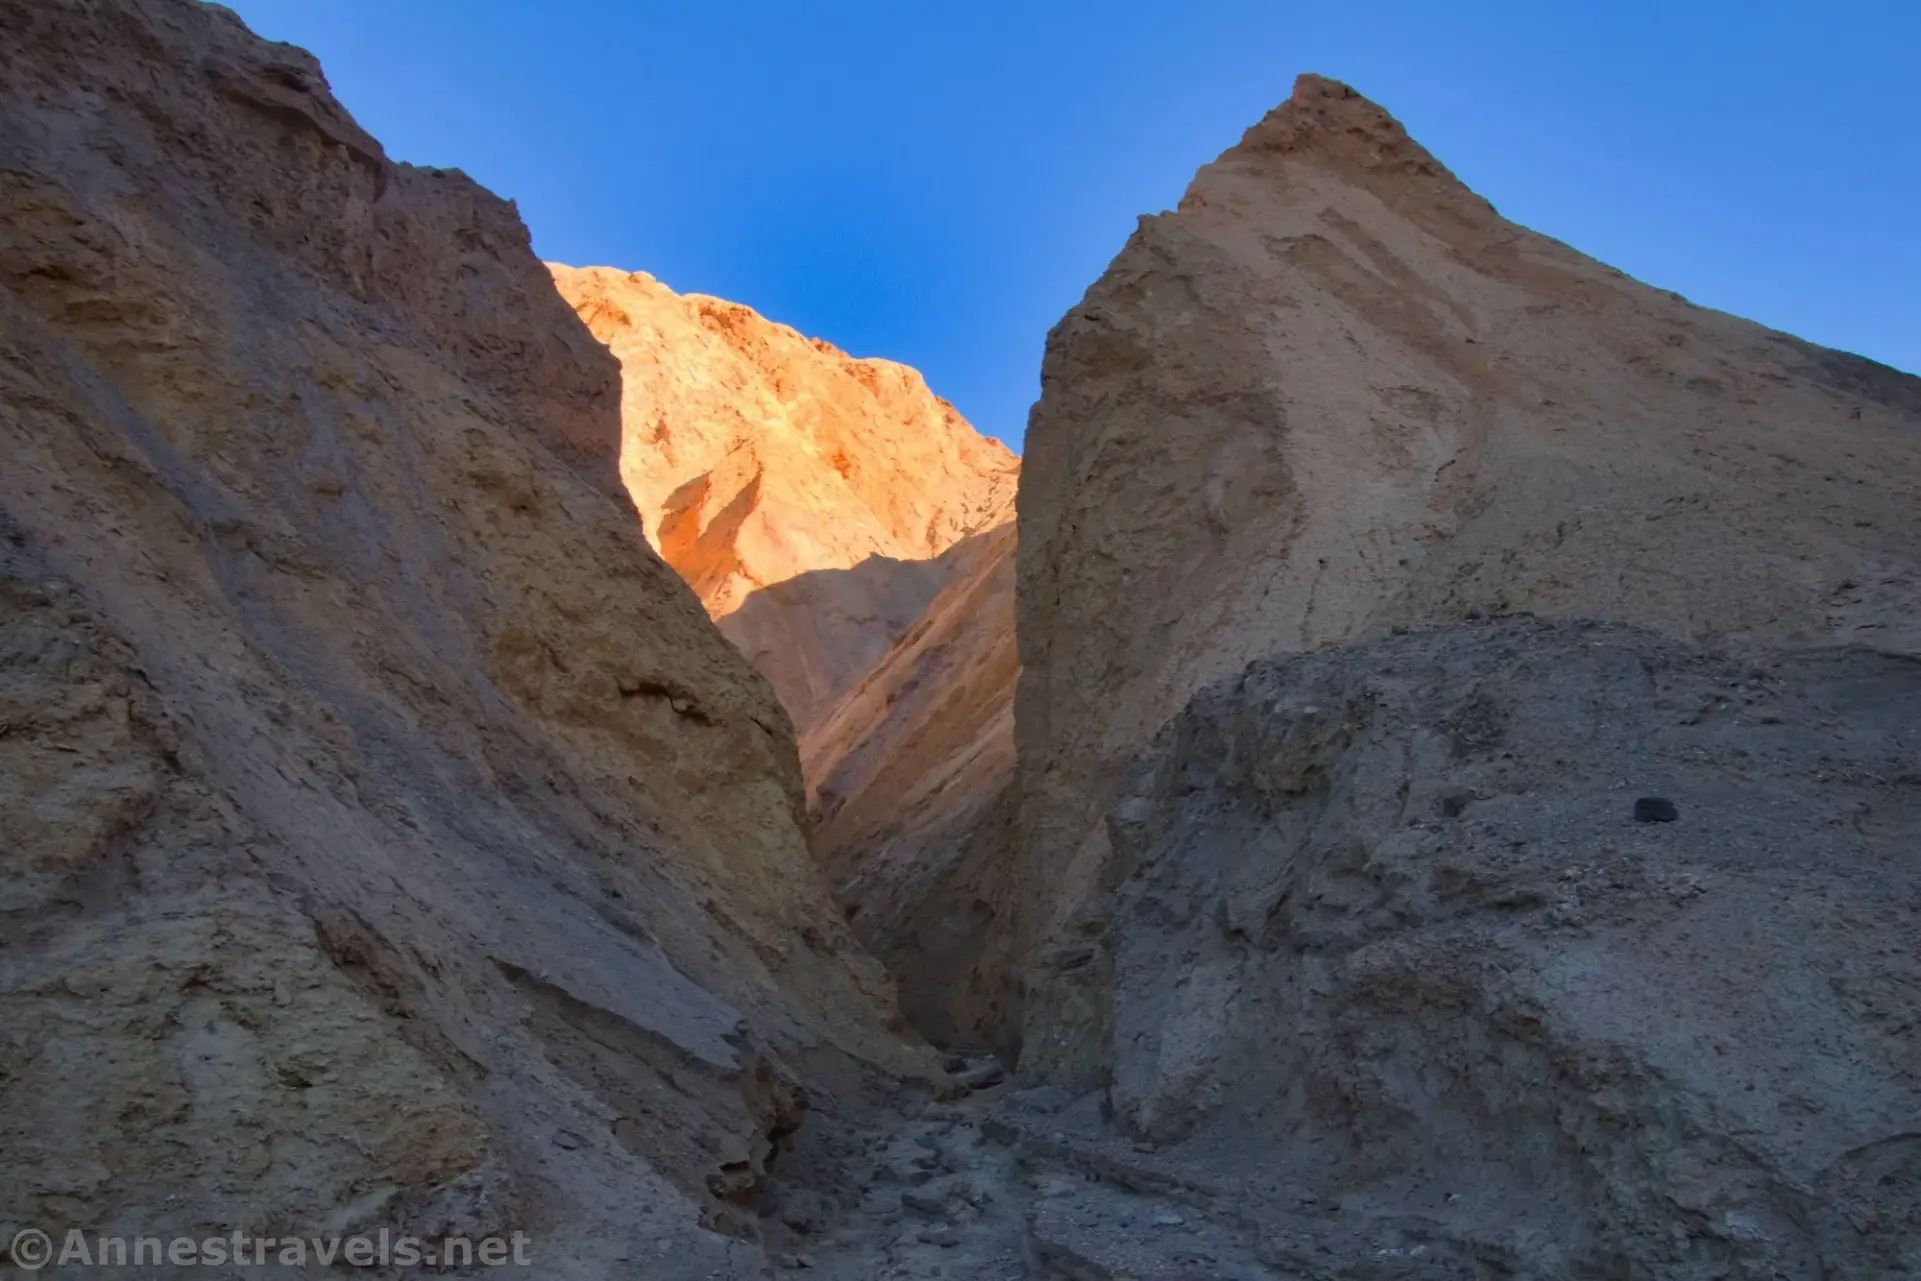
(1334,392)
(1398,975)
(384,820)
(1469,798)
(1458,814)
(910,792)
(806,495)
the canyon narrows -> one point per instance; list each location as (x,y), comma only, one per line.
(1329,866)
(1423,781)
(853,536)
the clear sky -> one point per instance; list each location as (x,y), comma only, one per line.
(937,182)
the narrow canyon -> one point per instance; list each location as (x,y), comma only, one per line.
(1414,774)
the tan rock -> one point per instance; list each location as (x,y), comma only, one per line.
(910,787)
(759,458)
(1437,939)
(1335,392)
(381,815)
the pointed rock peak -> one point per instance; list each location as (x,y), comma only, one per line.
(1333,126)
(1333,120)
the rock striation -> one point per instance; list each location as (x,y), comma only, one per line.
(382,817)
(806,495)
(910,793)
(1334,392)
(1458,818)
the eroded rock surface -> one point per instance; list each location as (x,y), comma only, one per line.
(805,494)
(390,839)
(1393,960)
(910,790)
(1335,391)
(854,537)
(1395,985)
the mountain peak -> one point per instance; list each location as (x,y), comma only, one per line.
(1332,126)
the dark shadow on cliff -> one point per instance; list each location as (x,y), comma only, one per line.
(910,790)
(818,634)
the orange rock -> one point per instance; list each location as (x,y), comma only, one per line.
(761,459)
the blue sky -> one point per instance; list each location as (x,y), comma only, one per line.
(937,182)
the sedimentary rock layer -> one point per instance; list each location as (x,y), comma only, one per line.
(910,790)
(854,537)
(1334,392)
(381,815)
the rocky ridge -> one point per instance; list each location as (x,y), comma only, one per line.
(391,840)
(854,537)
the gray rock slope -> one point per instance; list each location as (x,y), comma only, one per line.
(1392,958)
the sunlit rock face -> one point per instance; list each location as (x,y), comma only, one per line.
(1467,745)
(379,814)
(854,537)
(760,459)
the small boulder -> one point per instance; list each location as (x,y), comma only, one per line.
(1655,809)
